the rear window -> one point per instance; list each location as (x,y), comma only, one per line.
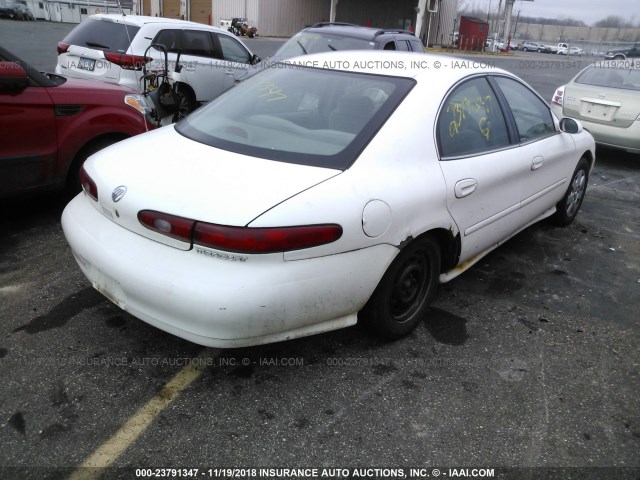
(311,42)
(610,75)
(102,35)
(300,115)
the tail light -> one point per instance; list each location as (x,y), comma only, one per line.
(264,240)
(62,47)
(88,185)
(240,239)
(170,225)
(128,62)
(558,97)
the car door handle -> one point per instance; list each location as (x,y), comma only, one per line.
(537,163)
(465,187)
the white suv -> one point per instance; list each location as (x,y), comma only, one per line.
(111,48)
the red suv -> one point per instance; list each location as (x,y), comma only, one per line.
(50,124)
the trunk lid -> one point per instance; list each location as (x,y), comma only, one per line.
(615,107)
(166,172)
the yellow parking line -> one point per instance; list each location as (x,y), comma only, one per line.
(109,451)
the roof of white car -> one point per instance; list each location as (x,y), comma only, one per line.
(438,68)
(140,20)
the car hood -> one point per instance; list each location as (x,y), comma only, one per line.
(167,172)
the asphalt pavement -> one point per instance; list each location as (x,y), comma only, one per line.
(527,365)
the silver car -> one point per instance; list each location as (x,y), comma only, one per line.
(605,97)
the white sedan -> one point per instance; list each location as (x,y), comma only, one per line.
(306,196)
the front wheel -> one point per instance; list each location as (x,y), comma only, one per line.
(402,297)
(567,208)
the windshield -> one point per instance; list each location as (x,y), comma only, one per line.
(312,42)
(294,114)
(611,75)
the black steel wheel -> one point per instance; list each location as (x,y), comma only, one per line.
(402,297)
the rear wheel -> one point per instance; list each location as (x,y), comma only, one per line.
(567,208)
(186,103)
(402,297)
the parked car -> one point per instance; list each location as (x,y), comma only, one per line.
(114,48)
(535,47)
(622,53)
(306,196)
(570,51)
(9,10)
(50,124)
(605,97)
(328,37)
(24,13)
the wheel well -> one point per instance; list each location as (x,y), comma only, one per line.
(88,149)
(588,156)
(96,144)
(449,247)
(186,88)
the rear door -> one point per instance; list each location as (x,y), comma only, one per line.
(483,171)
(200,62)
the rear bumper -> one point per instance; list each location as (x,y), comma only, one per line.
(217,302)
(625,138)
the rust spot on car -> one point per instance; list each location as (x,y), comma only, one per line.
(405,242)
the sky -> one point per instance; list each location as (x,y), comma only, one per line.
(589,11)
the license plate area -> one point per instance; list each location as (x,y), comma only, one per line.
(598,111)
(86,64)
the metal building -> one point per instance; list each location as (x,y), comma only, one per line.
(283,18)
(75,11)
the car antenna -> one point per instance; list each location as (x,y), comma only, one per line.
(121,10)
(126,30)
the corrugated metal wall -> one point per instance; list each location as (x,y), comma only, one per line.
(273,18)
(286,17)
(447,13)
(380,13)
(225,9)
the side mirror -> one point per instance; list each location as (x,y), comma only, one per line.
(12,77)
(255,59)
(570,125)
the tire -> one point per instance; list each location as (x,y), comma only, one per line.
(568,207)
(186,103)
(402,297)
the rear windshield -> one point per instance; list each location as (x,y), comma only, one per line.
(312,42)
(102,35)
(294,114)
(609,75)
